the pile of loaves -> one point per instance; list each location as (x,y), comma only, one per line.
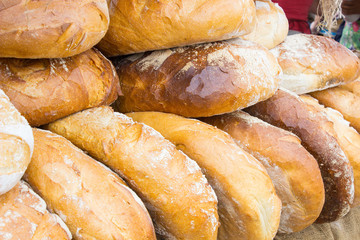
(149,169)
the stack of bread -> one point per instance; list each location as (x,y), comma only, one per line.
(174,156)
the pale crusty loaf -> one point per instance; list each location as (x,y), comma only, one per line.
(248,205)
(198,81)
(271,26)
(51,28)
(293,170)
(286,110)
(92,200)
(23,216)
(348,138)
(178,196)
(16,144)
(138,26)
(311,63)
(48,89)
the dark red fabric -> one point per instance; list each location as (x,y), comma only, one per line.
(297,13)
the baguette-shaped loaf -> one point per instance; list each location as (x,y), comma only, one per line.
(51,28)
(293,170)
(248,205)
(16,144)
(139,26)
(48,89)
(198,81)
(311,63)
(178,196)
(286,110)
(23,216)
(353,87)
(92,200)
(348,138)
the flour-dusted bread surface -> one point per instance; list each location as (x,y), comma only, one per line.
(16,144)
(198,81)
(271,26)
(23,216)
(288,111)
(51,28)
(178,196)
(48,89)
(311,63)
(139,26)
(293,170)
(92,200)
(248,205)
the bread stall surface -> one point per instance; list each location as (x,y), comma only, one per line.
(197,81)
(180,200)
(48,89)
(23,216)
(51,28)
(271,26)
(293,170)
(311,63)
(16,144)
(139,26)
(248,205)
(92,200)
(288,111)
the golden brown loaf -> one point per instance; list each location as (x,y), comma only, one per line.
(248,205)
(16,144)
(51,29)
(138,26)
(48,89)
(23,216)
(92,200)
(348,138)
(198,81)
(293,170)
(178,196)
(286,110)
(271,26)
(353,87)
(311,63)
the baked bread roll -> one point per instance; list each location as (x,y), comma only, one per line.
(23,216)
(271,26)
(51,29)
(311,63)
(198,81)
(353,87)
(92,200)
(48,89)
(16,144)
(286,110)
(348,138)
(342,100)
(178,196)
(248,205)
(139,26)
(293,170)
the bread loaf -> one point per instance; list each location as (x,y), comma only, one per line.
(248,205)
(92,200)
(286,110)
(348,138)
(23,216)
(48,89)
(16,144)
(51,29)
(271,26)
(343,100)
(353,87)
(198,81)
(311,63)
(293,170)
(180,201)
(139,26)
